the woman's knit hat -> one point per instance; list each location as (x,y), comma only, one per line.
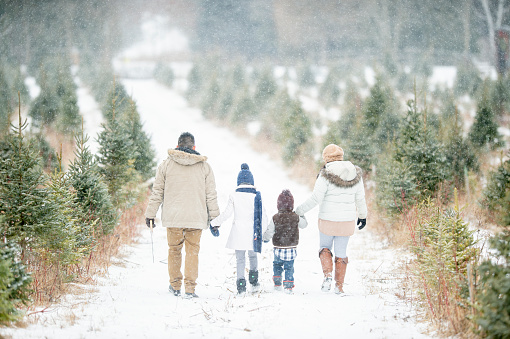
(332,152)
(285,201)
(245,176)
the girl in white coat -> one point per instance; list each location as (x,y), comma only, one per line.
(340,194)
(246,233)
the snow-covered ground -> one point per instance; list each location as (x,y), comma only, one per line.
(133,301)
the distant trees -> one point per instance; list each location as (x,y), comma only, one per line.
(57,104)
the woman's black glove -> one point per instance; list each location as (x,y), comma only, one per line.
(148,222)
(215,230)
(361,223)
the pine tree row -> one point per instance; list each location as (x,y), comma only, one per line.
(53,220)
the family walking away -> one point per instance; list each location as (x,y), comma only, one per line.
(340,194)
(186,191)
(245,204)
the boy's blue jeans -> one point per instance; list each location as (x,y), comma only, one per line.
(279,266)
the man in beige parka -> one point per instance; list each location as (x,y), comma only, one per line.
(186,190)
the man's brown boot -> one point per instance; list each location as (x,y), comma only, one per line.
(340,268)
(327,268)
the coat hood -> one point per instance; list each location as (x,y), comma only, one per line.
(185,158)
(342,173)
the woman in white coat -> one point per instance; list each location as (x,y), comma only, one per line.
(340,194)
(246,233)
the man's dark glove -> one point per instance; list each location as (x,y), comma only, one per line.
(215,230)
(148,222)
(361,223)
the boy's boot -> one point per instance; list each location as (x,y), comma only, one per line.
(241,285)
(288,285)
(253,278)
(326,258)
(340,268)
(277,282)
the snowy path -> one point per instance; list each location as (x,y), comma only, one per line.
(133,301)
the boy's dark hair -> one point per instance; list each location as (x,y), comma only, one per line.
(186,140)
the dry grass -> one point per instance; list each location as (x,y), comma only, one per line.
(51,282)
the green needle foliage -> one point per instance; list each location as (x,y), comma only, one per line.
(14,283)
(65,244)
(493,293)
(443,246)
(116,160)
(91,191)
(424,155)
(23,198)
(496,194)
(297,131)
(144,152)
(484,131)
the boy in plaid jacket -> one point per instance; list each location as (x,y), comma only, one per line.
(284,230)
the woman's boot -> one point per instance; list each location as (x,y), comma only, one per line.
(326,258)
(340,268)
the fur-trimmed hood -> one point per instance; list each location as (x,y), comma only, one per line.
(342,173)
(186,158)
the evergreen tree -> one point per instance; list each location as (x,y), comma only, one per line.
(68,120)
(329,92)
(91,191)
(444,246)
(360,148)
(484,130)
(72,238)
(498,186)
(244,108)
(297,131)
(500,97)
(116,103)
(340,131)
(14,283)
(144,152)
(396,185)
(116,159)
(238,76)
(195,82)
(272,121)
(226,104)
(266,88)
(493,290)
(378,104)
(421,152)
(31,217)
(45,107)
(211,98)
(459,153)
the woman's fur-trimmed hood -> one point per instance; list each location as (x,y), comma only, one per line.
(186,158)
(342,173)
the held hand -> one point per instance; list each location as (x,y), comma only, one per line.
(361,223)
(148,222)
(215,230)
